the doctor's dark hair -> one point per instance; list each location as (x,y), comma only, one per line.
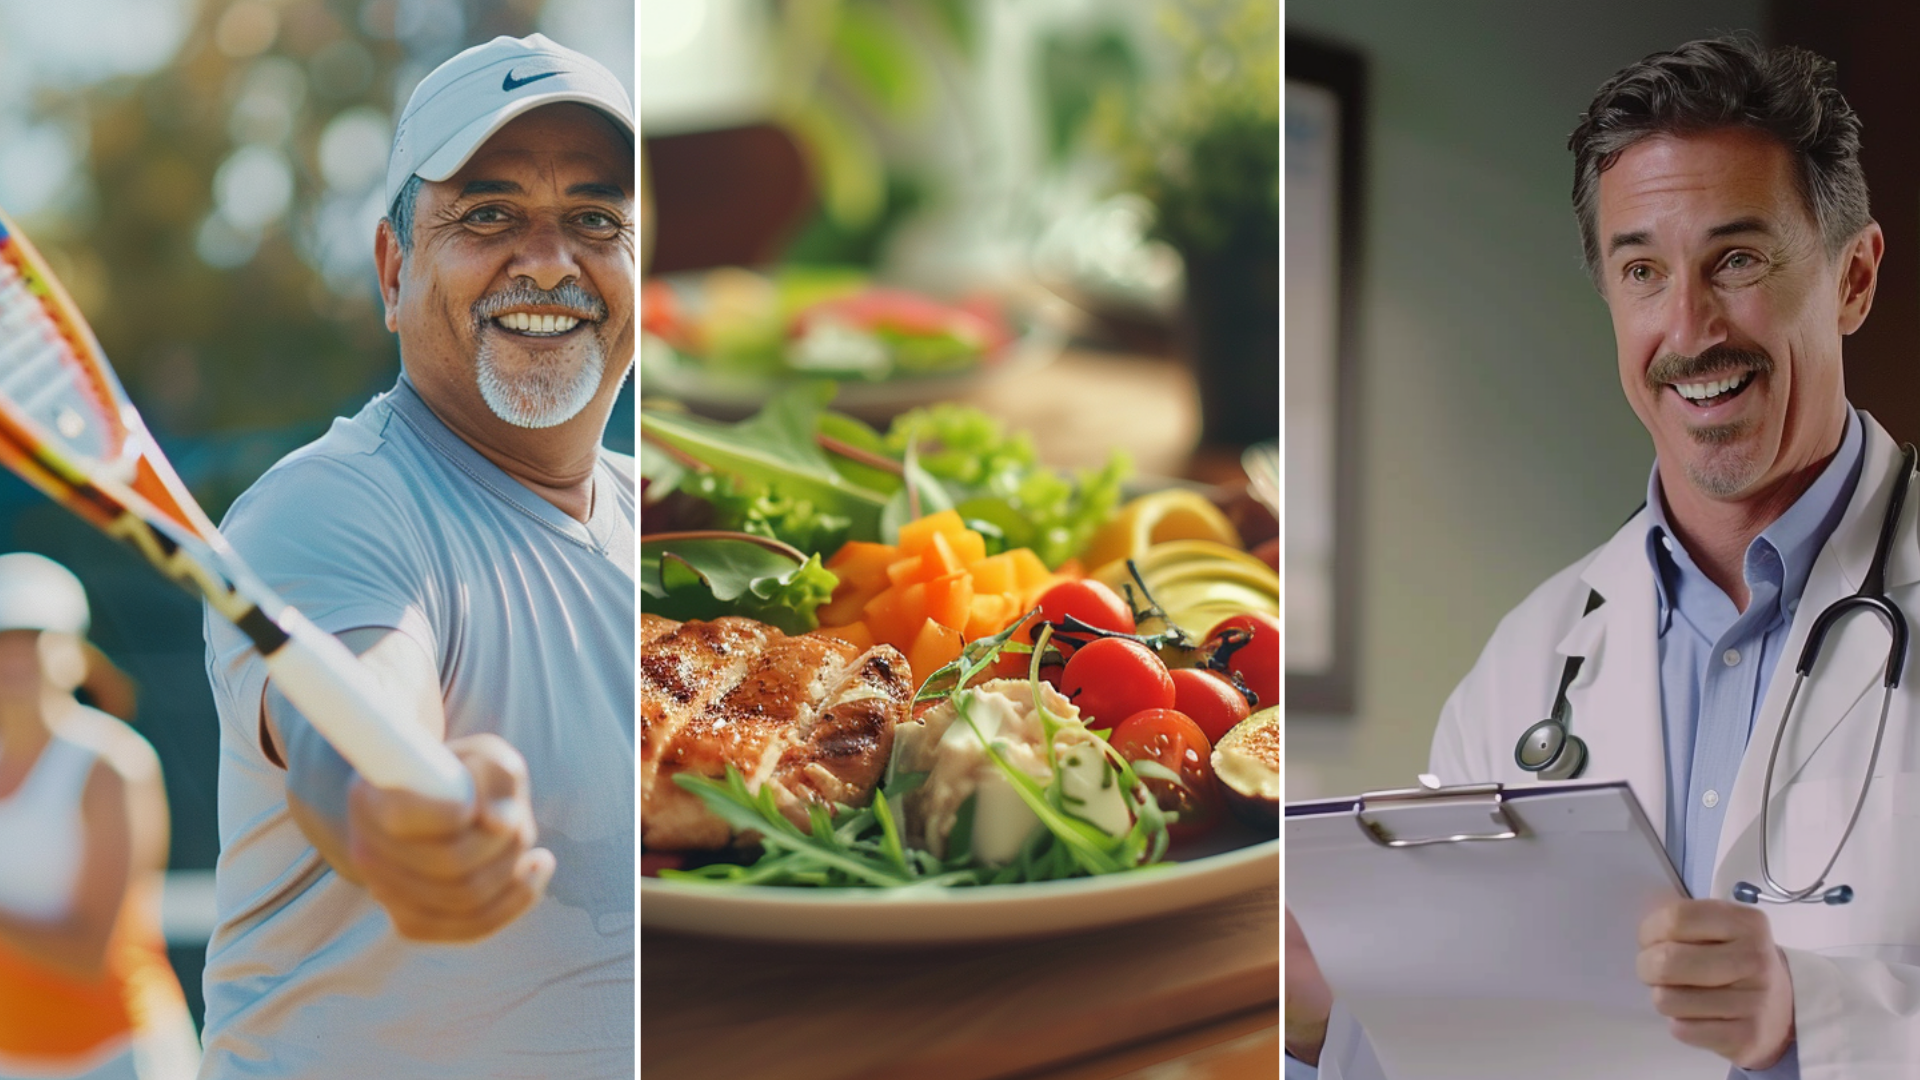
(1728,82)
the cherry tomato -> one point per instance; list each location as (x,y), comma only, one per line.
(1208,700)
(1113,678)
(1172,739)
(1258,661)
(1089,601)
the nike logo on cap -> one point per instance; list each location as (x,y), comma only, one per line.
(510,84)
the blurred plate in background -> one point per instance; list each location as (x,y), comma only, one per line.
(722,342)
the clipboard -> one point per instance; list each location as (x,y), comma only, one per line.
(1488,933)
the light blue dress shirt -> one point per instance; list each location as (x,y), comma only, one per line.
(1716,664)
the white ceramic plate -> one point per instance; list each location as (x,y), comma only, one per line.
(944,915)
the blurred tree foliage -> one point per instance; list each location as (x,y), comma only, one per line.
(856,83)
(266,342)
(1208,154)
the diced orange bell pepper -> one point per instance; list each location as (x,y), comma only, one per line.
(934,647)
(863,565)
(994,574)
(895,615)
(916,535)
(847,606)
(908,571)
(1028,570)
(987,615)
(968,546)
(950,599)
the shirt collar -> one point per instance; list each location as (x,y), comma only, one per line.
(1796,536)
(604,523)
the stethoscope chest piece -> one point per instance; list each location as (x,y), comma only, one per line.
(1549,750)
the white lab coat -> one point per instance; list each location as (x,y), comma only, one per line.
(1856,968)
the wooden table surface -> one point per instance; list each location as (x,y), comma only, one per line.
(1199,987)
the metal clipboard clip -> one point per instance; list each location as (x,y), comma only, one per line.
(1491,795)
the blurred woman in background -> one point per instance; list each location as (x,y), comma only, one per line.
(85,986)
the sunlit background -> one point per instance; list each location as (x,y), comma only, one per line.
(1072,157)
(205,177)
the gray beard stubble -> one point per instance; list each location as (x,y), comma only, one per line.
(544,396)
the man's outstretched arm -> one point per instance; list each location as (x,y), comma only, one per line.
(444,871)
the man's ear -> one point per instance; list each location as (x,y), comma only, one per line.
(1859,273)
(386,261)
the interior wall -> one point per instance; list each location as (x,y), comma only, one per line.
(1871,42)
(1495,444)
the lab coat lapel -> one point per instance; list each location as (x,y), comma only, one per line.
(1615,699)
(1852,659)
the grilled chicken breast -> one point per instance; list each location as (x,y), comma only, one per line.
(811,717)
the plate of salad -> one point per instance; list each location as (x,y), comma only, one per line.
(724,340)
(1074,721)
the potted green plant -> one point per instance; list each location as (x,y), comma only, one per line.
(1209,161)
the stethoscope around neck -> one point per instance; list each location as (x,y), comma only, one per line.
(1551,750)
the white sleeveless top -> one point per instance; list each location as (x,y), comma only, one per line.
(41,835)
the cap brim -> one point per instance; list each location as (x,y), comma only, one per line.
(457,151)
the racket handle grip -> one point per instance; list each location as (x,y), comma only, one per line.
(343,700)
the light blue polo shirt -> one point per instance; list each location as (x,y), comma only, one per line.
(391,520)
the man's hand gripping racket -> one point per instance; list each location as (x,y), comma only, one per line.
(67,428)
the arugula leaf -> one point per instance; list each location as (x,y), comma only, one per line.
(836,850)
(774,446)
(864,847)
(707,575)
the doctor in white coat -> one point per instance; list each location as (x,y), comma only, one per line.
(1725,223)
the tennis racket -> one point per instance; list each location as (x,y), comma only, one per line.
(67,428)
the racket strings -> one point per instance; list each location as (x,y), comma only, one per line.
(40,373)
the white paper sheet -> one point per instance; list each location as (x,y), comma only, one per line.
(1494,960)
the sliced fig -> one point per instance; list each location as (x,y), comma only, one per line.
(1247,762)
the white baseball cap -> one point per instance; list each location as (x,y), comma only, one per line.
(37,593)
(461,103)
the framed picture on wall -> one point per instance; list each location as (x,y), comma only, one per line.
(1324,97)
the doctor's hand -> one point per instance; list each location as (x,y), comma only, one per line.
(1718,978)
(1309,998)
(447,871)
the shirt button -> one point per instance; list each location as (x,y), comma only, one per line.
(1732,657)
(1711,799)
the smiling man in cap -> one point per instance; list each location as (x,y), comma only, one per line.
(468,535)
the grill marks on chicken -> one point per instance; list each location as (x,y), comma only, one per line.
(810,717)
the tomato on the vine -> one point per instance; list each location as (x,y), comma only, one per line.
(1209,700)
(1258,661)
(1090,601)
(1175,742)
(1113,678)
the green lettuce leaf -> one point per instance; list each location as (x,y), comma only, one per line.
(774,446)
(705,576)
